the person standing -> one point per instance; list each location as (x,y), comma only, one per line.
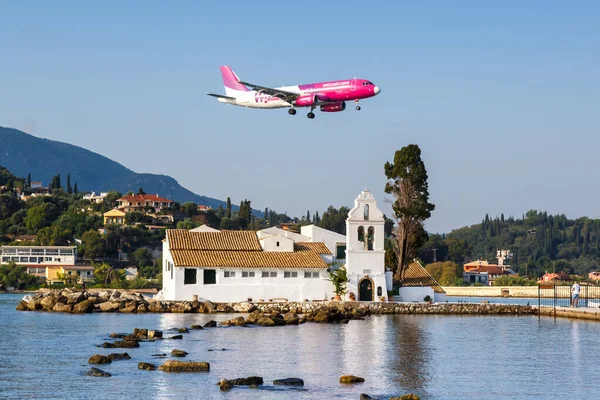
(575,289)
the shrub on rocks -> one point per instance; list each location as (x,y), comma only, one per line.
(351,379)
(99,359)
(184,366)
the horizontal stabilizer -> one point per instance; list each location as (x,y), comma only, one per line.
(220,96)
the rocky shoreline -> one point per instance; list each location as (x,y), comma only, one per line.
(72,301)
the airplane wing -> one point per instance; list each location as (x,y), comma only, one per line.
(220,96)
(282,94)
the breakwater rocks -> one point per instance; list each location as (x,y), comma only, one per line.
(71,301)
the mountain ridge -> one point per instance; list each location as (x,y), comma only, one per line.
(23,154)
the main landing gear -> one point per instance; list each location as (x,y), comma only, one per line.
(292,111)
(311,114)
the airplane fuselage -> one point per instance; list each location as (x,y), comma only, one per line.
(326,92)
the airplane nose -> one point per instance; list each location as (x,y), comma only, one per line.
(376,90)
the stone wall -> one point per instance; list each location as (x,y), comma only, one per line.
(496,291)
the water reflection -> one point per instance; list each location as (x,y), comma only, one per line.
(411,355)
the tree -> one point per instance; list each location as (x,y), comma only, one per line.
(142,258)
(228,211)
(40,216)
(407,182)
(9,205)
(75,190)
(93,245)
(69,189)
(141,191)
(338,276)
(316,218)
(308,215)
(13,275)
(334,219)
(29,180)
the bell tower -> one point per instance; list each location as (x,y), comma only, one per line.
(365,252)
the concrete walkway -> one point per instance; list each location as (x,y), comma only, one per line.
(571,312)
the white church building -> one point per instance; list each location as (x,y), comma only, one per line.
(278,265)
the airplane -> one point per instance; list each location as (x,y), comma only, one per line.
(328,96)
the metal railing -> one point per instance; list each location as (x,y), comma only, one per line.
(557,295)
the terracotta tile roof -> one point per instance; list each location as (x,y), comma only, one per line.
(145,197)
(416,275)
(181,239)
(247,259)
(490,269)
(316,247)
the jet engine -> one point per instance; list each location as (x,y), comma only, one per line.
(311,100)
(334,107)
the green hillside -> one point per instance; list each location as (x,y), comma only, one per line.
(539,242)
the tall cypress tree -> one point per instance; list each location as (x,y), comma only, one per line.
(308,215)
(69,189)
(75,190)
(29,180)
(228,214)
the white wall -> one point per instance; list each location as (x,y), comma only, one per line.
(378,281)
(317,234)
(277,243)
(365,262)
(296,237)
(239,288)
(417,293)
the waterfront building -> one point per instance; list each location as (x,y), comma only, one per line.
(555,277)
(54,263)
(277,264)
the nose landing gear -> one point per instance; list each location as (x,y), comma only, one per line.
(357,106)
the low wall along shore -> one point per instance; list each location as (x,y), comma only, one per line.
(496,291)
(70,301)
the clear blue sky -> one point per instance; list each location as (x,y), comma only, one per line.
(502,97)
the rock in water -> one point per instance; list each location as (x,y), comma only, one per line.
(179,353)
(154,334)
(291,319)
(99,359)
(351,379)
(183,330)
(119,356)
(184,366)
(97,372)
(176,337)
(121,344)
(86,306)
(265,321)
(60,307)
(364,397)
(225,385)
(409,396)
(196,327)
(210,324)
(251,380)
(289,382)
(146,366)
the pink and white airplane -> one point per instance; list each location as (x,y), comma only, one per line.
(329,96)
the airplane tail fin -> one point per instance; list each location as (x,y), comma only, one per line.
(231,81)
